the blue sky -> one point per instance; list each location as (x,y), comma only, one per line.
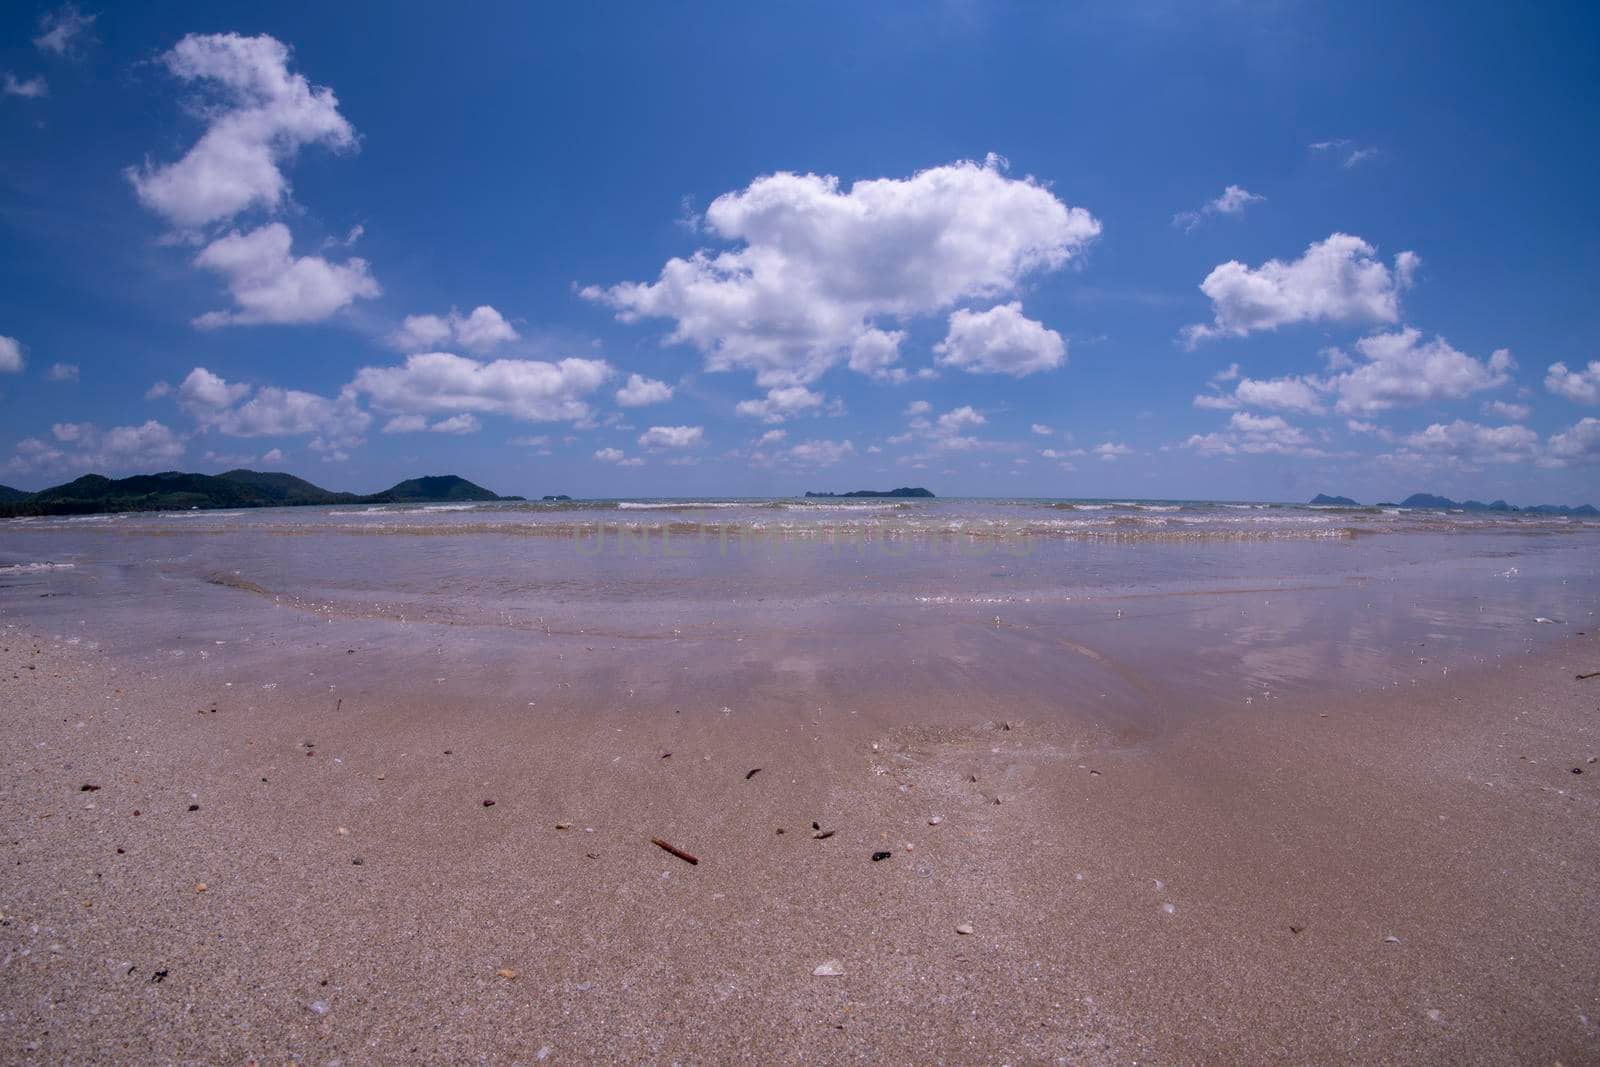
(1243,250)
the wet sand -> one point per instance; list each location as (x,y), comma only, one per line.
(1401,876)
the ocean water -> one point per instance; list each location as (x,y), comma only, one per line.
(1128,612)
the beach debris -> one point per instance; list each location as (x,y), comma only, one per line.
(828,969)
(563,826)
(779,831)
(192,807)
(1170,909)
(1541,618)
(319,1006)
(159,977)
(86,788)
(822,835)
(1434,1014)
(751,774)
(964,928)
(1586,677)
(1577,770)
(676,851)
(935,820)
(1391,940)
(199,887)
(357,861)
(488,803)
(506,973)
(1297,929)
(879,857)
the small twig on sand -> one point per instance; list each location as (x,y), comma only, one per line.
(752,774)
(675,850)
(1591,674)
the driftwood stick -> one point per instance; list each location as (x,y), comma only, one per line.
(675,850)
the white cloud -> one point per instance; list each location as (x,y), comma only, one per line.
(641,391)
(59,30)
(457,424)
(1349,154)
(1476,443)
(1249,434)
(204,392)
(617,456)
(1401,370)
(11,361)
(820,453)
(270,285)
(1233,201)
(1042,430)
(771,437)
(875,352)
(1000,341)
(1275,394)
(83,446)
(334,423)
(816,265)
(158,390)
(672,437)
(783,402)
(953,422)
(406,424)
(1579,443)
(1336,280)
(523,388)
(481,330)
(263,116)
(1501,409)
(1581,386)
(1110,450)
(31,89)
(63,372)
(918,407)
(272,455)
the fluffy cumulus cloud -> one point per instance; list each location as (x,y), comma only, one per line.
(1579,443)
(1501,409)
(617,456)
(783,402)
(481,330)
(1249,434)
(1000,341)
(1402,369)
(1475,443)
(1275,394)
(875,352)
(271,285)
(1336,280)
(259,115)
(818,267)
(657,437)
(11,361)
(1581,386)
(640,391)
(62,31)
(82,446)
(1233,201)
(63,372)
(442,382)
(333,423)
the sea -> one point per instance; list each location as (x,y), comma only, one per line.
(1129,613)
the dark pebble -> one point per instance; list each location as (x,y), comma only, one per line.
(488,803)
(192,807)
(358,861)
(876,856)
(1577,770)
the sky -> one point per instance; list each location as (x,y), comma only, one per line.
(1249,251)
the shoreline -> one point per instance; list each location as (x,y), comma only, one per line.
(1288,845)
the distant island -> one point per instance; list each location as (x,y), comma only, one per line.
(95,494)
(552,497)
(1444,503)
(903,491)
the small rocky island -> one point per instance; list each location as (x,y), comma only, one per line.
(1443,503)
(903,491)
(1323,500)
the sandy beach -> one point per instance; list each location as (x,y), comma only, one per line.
(270,875)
